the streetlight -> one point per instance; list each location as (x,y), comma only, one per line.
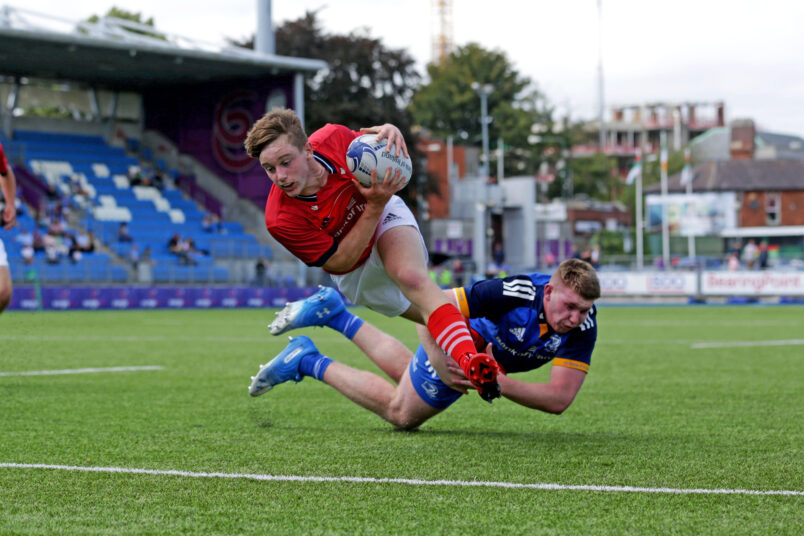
(484,90)
(481,221)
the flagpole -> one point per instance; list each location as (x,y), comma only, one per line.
(639,222)
(639,248)
(688,176)
(665,221)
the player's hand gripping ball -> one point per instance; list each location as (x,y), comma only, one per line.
(365,154)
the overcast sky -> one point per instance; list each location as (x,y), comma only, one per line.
(749,54)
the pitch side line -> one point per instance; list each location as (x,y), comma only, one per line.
(746,344)
(79,371)
(407,481)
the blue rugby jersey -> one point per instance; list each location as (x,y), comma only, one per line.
(509,313)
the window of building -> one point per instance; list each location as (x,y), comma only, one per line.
(773,209)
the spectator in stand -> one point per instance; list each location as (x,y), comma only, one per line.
(180,248)
(134,175)
(87,244)
(586,255)
(174,244)
(750,252)
(25,238)
(211,223)
(27,254)
(134,255)
(498,254)
(549,260)
(763,255)
(54,249)
(145,258)
(733,262)
(262,277)
(57,226)
(52,193)
(595,256)
(123,234)
(194,255)
(38,241)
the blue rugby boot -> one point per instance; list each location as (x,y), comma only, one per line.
(284,367)
(316,310)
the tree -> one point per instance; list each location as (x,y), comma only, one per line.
(449,106)
(366,83)
(118,13)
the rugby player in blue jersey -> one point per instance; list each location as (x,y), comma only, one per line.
(523,321)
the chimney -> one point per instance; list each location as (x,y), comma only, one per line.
(721,115)
(742,139)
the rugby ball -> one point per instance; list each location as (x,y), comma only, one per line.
(366,154)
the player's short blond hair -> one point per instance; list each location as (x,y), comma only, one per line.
(270,127)
(580,277)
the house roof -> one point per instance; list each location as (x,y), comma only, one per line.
(740,176)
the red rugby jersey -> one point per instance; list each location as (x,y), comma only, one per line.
(3,161)
(311,227)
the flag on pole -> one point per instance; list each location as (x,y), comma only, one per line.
(635,171)
(664,158)
(686,171)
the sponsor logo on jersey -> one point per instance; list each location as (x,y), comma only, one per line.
(519,288)
(430,389)
(389,218)
(553,344)
(589,322)
(519,333)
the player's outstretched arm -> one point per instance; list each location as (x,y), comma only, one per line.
(554,396)
(351,247)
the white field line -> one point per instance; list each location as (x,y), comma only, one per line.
(80,371)
(126,338)
(406,481)
(746,344)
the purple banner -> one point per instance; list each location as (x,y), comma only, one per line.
(212,124)
(89,298)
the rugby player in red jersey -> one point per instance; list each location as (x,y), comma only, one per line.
(8,217)
(366,238)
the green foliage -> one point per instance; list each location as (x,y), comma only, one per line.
(132,16)
(594,176)
(366,83)
(656,410)
(448,105)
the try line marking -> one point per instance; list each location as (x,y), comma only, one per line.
(406,481)
(79,371)
(746,344)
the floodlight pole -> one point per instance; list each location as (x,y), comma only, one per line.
(481,256)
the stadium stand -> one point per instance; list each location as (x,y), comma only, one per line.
(106,187)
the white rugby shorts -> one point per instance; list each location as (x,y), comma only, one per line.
(3,256)
(370,285)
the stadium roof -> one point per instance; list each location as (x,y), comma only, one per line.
(740,176)
(114,54)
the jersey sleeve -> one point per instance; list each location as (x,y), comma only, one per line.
(492,298)
(333,140)
(3,162)
(312,247)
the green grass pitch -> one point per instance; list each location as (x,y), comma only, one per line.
(685,398)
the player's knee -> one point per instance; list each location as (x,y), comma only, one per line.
(401,418)
(411,278)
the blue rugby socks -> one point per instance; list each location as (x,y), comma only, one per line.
(314,365)
(345,323)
